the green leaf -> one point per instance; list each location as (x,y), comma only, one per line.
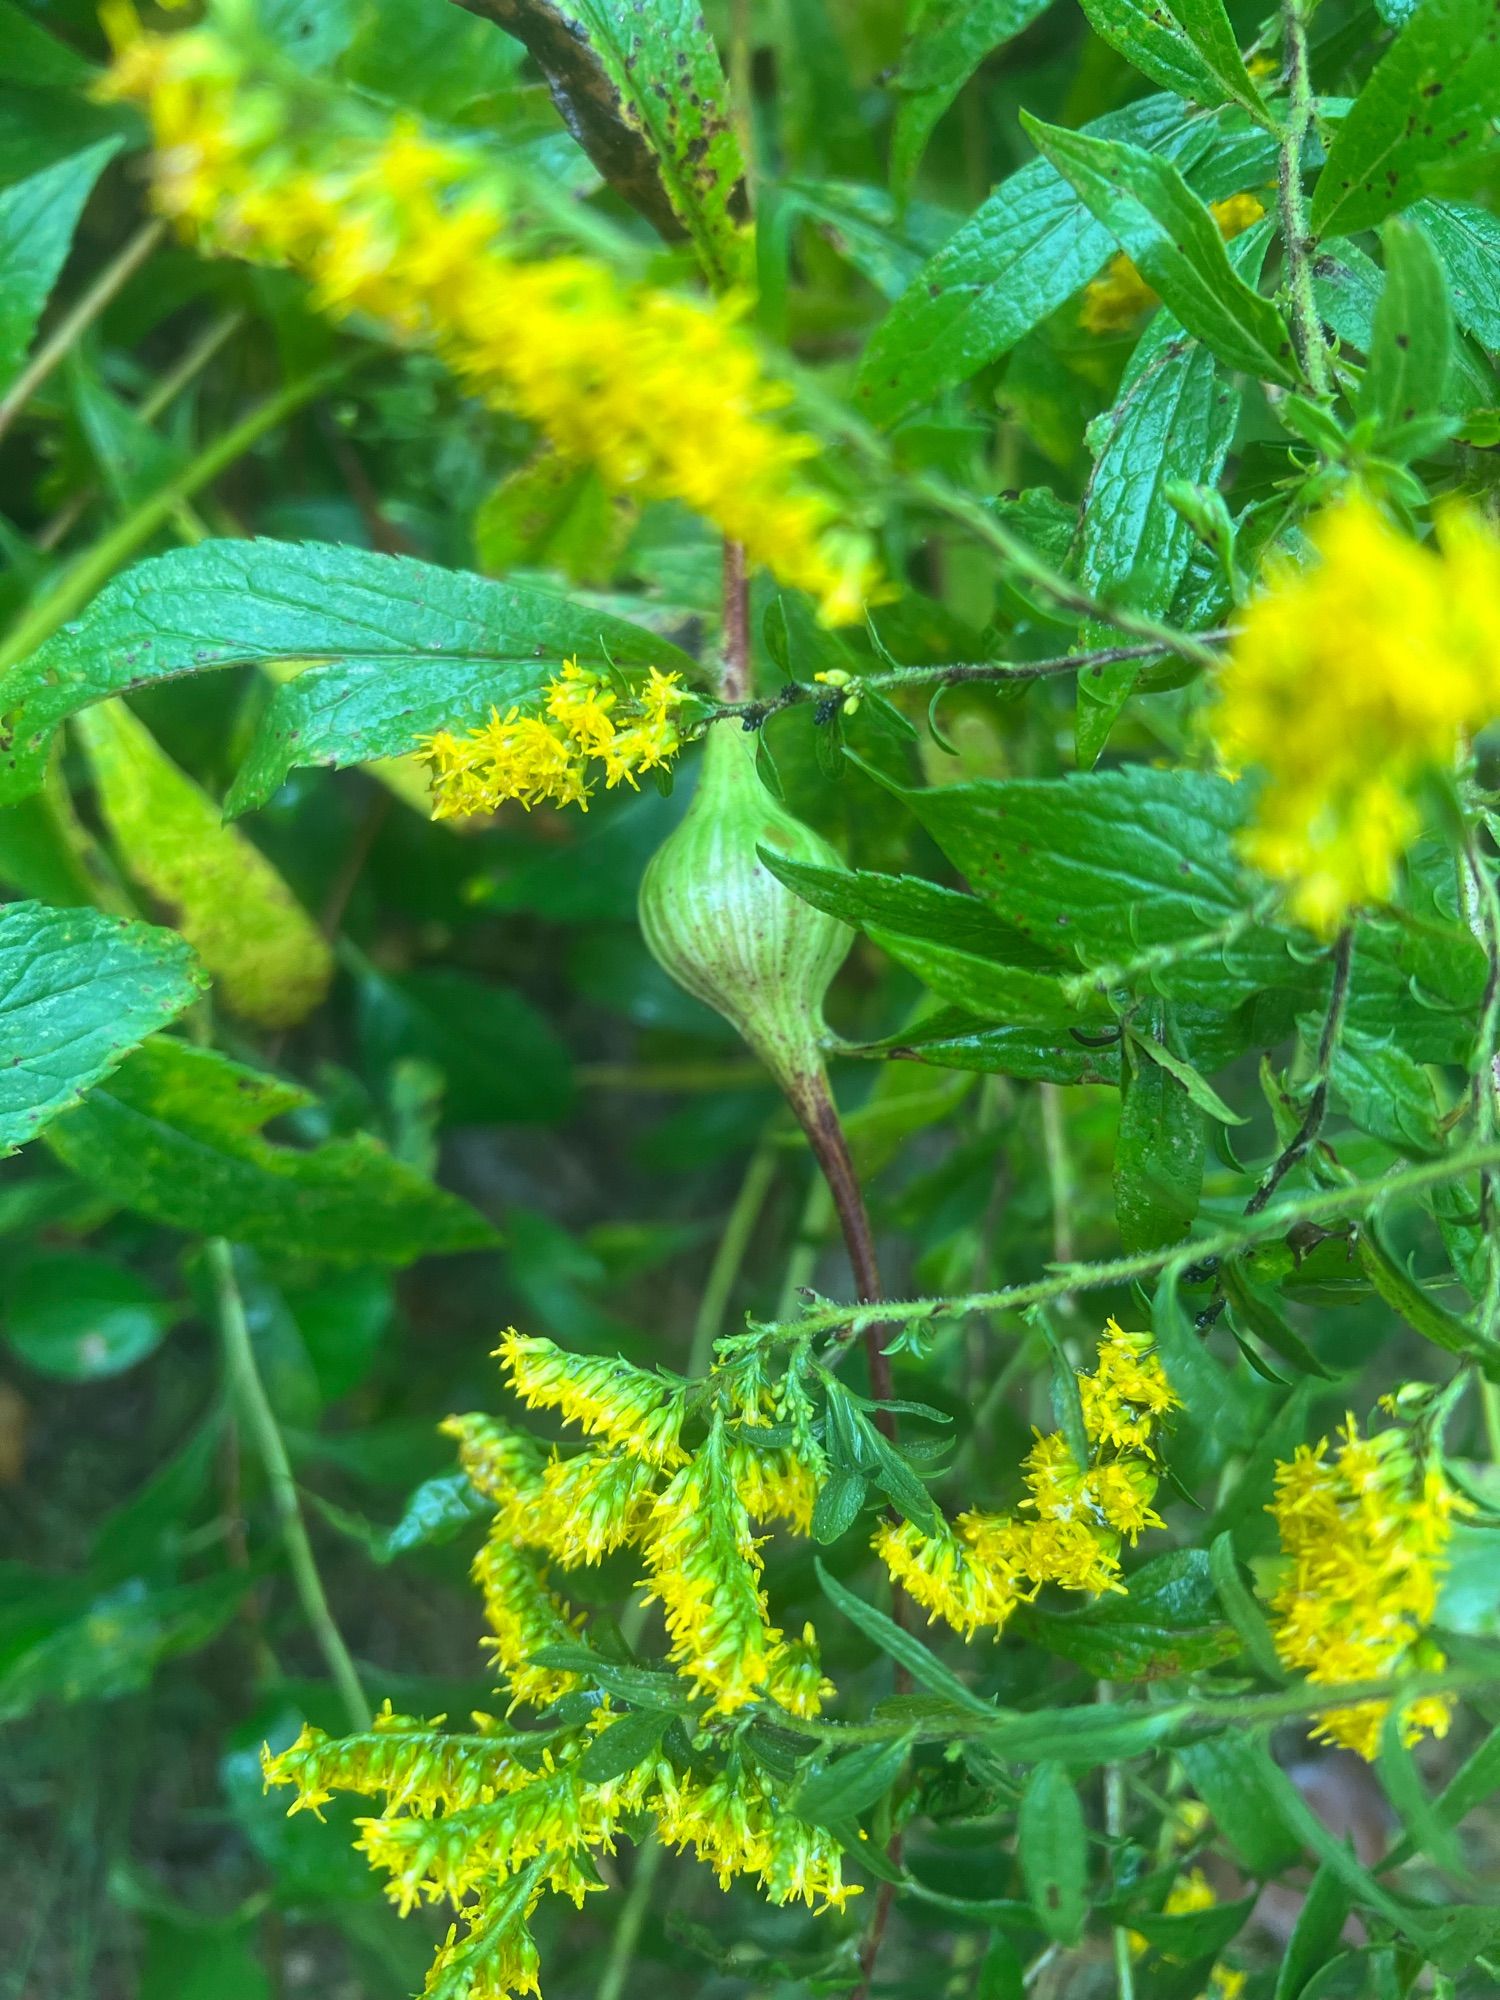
(270,962)
(37,219)
(906,903)
(836,1509)
(1084,1737)
(502,1061)
(951,1039)
(1197,1087)
(1257,1313)
(1320,1923)
(1191,1935)
(626,1743)
(552,513)
(1052,1848)
(30,56)
(80,1317)
(402,648)
(78,990)
(1246,1616)
(851,1784)
(1386,1091)
(1430,100)
(1168,1623)
(1108,864)
(945,47)
(1174,242)
(1026,251)
(439,1511)
(1467,241)
(642,91)
(176,1137)
(984,987)
(1424,1824)
(1185,45)
(1158,1155)
(1229,1774)
(1411,344)
(923,1666)
(1174,418)
(1417,1306)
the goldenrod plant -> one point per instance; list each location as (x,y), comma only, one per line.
(750,1051)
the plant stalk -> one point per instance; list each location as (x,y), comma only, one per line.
(249,1392)
(1300,246)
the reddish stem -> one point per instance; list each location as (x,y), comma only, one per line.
(736,683)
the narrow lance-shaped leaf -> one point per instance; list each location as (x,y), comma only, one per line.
(1169,235)
(1186,45)
(400,648)
(78,991)
(1431,98)
(270,962)
(943,50)
(1412,340)
(642,91)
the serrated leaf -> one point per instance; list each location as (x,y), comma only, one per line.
(1052,1848)
(1186,45)
(905,903)
(945,47)
(1027,250)
(270,962)
(78,991)
(984,987)
(1168,1623)
(1431,97)
(1174,242)
(38,216)
(837,1506)
(642,91)
(1467,240)
(1412,338)
(626,1743)
(176,1136)
(403,648)
(1158,1174)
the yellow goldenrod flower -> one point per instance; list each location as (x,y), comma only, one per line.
(500,1463)
(1346,681)
(735,1823)
(775,1484)
(665,395)
(1127,1394)
(948,1577)
(420,1766)
(705,1567)
(496,1958)
(1119,295)
(524,1616)
(1364,1533)
(543,759)
(626,1406)
(586,1507)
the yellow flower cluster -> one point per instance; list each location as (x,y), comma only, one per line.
(974,1572)
(491,1820)
(1347,680)
(1119,295)
(665,395)
(545,757)
(1364,1533)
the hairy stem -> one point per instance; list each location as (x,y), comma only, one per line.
(1353,1198)
(71,328)
(894,680)
(249,1392)
(1299,246)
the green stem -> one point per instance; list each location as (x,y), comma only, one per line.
(98,564)
(249,1392)
(1298,244)
(1114,1826)
(55,349)
(739,1227)
(629,1921)
(1273,1220)
(956,673)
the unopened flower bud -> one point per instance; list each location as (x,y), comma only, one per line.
(725,929)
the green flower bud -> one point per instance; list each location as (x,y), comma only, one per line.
(729,932)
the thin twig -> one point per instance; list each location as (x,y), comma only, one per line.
(55,349)
(1317,1105)
(955,673)
(1276,1219)
(264,1433)
(628,1924)
(1299,245)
